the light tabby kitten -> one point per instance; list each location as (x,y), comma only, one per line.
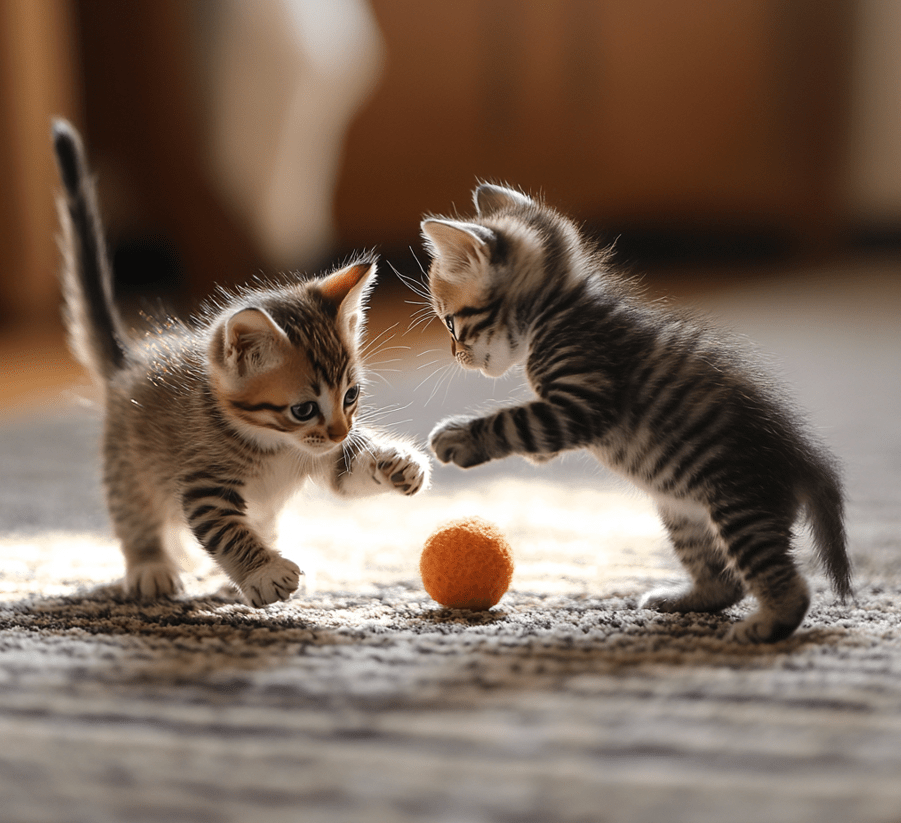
(658,398)
(215,426)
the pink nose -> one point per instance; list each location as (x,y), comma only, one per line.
(337,433)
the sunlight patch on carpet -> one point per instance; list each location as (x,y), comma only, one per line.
(565,541)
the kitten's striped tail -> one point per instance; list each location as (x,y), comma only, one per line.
(825,514)
(96,331)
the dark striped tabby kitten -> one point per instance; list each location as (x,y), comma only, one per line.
(657,397)
(215,425)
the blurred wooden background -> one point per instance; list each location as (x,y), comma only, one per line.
(674,116)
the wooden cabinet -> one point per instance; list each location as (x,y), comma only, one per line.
(623,112)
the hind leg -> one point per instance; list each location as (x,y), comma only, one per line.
(150,572)
(139,522)
(759,548)
(713,586)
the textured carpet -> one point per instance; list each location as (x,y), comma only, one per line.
(361,700)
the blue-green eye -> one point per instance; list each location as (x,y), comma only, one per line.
(305,411)
(449,322)
(350,397)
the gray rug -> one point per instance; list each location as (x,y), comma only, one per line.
(362,700)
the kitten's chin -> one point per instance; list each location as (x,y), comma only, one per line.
(488,368)
(496,367)
(317,449)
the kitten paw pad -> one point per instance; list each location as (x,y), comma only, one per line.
(452,443)
(151,581)
(406,473)
(278,579)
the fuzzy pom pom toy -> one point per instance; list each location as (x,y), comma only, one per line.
(466,564)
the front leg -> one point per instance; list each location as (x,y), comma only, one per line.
(537,431)
(216,513)
(374,463)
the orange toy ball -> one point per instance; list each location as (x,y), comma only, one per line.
(466,564)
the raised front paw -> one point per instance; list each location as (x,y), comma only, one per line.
(404,471)
(276,580)
(452,442)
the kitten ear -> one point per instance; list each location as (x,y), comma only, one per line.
(459,243)
(251,339)
(489,199)
(347,289)
(353,281)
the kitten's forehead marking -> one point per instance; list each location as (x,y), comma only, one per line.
(449,298)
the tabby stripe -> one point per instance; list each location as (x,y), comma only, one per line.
(221,492)
(561,304)
(560,372)
(723,512)
(664,372)
(574,411)
(701,448)
(549,421)
(678,443)
(667,401)
(716,466)
(498,426)
(686,468)
(203,510)
(202,530)
(770,556)
(741,548)
(730,529)
(477,328)
(523,429)
(783,577)
(477,427)
(589,397)
(255,407)
(473,311)
(237,548)
(219,536)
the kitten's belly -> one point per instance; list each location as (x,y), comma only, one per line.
(690,508)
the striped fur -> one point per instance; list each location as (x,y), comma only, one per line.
(658,397)
(210,427)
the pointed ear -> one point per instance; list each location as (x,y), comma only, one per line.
(348,289)
(356,279)
(489,199)
(460,244)
(251,340)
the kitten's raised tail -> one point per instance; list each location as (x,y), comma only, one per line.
(825,514)
(96,331)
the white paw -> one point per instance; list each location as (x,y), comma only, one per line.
(452,443)
(664,599)
(278,579)
(149,581)
(405,472)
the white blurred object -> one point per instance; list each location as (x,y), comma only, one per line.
(285,78)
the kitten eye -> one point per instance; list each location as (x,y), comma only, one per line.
(351,396)
(449,322)
(305,411)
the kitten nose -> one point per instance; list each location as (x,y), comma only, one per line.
(337,433)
